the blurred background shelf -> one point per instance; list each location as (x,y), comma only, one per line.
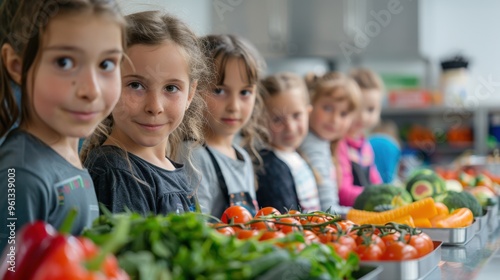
(482,123)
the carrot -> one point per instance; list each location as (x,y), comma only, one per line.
(358,216)
(461,217)
(442,208)
(422,223)
(424,208)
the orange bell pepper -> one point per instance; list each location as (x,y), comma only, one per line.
(461,217)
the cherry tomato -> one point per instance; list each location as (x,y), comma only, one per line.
(310,237)
(238,228)
(294,212)
(341,250)
(317,219)
(420,243)
(288,229)
(271,235)
(375,239)
(266,211)
(346,225)
(327,235)
(304,222)
(236,213)
(369,252)
(223,228)
(348,241)
(246,234)
(263,226)
(390,238)
(398,251)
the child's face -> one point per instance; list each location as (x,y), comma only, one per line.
(156,93)
(77,82)
(288,119)
(368,116)
(330,119)
(230,105)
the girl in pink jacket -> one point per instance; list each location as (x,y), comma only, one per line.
(354,153)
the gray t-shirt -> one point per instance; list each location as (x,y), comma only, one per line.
(116,176)
(317,151)
(44,187)
(238,175)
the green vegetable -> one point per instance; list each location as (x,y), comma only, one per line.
(425,183)
(374,197)
(185,247)
(454,200)
(383,207)
(453,185)
(484,195)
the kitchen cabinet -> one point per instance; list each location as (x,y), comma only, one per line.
(392,28)
(262,22)
(383,28)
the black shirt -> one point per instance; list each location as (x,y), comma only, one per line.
(276,184)
(125,181)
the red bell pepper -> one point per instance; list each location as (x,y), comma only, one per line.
(42,254)
(66,259)
(30,243)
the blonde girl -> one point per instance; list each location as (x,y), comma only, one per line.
(355,153)
(130,156)
(65,57)
(233,106)
(334,98)
(286,181)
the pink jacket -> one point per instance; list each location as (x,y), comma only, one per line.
(354,151)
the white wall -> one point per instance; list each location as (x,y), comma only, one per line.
(472,28)
(197,14)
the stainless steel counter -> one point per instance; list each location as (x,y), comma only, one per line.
(478,259)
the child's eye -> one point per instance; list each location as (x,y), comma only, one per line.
(108,65)
(135,86)
(171,88)
(296,116)
(218,91)
(65,63)
(344,114)
(328,108)
(276,120)
(371,109)
(246,92)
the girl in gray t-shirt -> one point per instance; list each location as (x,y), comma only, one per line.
(227,176)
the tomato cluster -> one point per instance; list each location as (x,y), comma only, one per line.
(369,242)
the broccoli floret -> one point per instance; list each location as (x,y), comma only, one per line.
(454,200)
(474,204)
(373,196)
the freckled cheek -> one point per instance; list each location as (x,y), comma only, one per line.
(124,108)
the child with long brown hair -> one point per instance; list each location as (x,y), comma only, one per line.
(65,56)
(233,106)
(130,156)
